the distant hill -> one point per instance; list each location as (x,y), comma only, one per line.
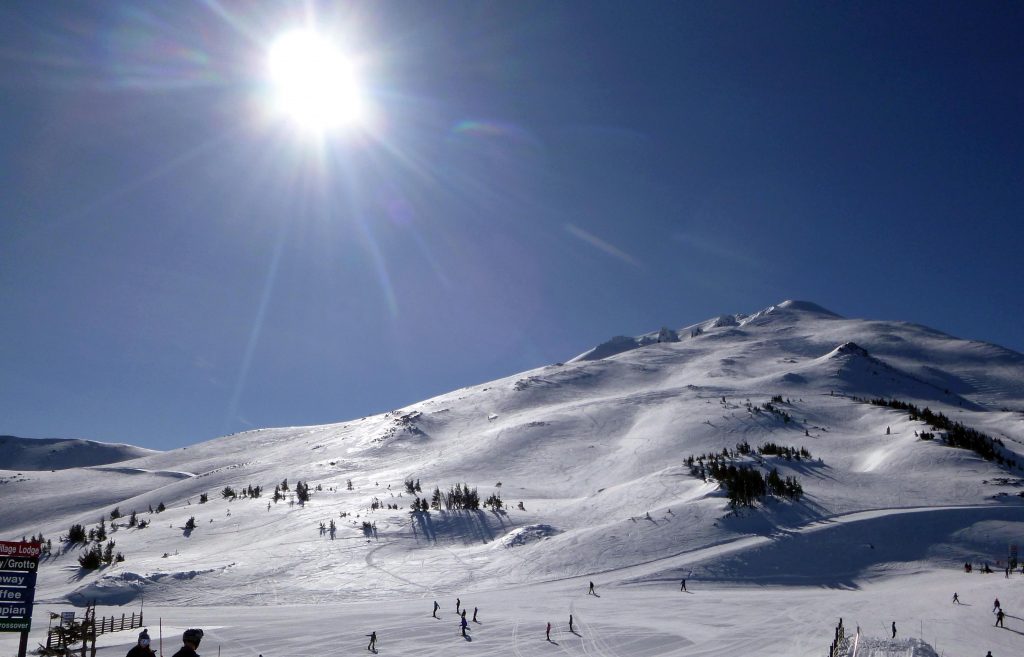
(61,453)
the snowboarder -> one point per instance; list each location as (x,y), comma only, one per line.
(995,606)
(142,649)
(190,638)
(682,585)
(373,642)
(591,591)
(548,633)
(464,624)
(475,609)
(999,619)
(570,623)
(436,607)
(894,629)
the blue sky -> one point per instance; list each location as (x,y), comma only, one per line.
(178,263)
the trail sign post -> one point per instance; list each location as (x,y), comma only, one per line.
(18,565)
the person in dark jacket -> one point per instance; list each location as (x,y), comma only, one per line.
(372,646)
(142,649)
(190,639)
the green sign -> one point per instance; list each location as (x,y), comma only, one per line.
(15,624)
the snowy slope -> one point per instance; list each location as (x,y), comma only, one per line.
(595,450)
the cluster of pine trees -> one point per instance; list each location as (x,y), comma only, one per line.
(99,553)
(771,449)
(230,493)
(770,407)
(957,435)
(45,544)
(458,498)
(744,484)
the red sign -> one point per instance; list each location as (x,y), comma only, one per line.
(13,549)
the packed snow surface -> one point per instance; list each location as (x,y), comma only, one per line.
(590,460)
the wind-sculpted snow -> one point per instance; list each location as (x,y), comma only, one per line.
(589,459)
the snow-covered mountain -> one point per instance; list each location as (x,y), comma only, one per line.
(591,460)
(62,453)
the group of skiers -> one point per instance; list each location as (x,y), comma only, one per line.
(190,640)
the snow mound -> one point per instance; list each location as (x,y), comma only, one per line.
(529,534)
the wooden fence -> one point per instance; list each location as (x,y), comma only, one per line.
(837,640)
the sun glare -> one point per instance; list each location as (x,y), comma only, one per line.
(315,84)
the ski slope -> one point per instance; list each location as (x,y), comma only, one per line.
(595,451)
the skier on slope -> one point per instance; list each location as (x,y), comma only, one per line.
(436,607)
(570,623)
(464,624)
(475,609)
(458,603)
(995,605)
(956,598)
(894,629)
(591,591)
(999,619)
(548,633)
(372,646)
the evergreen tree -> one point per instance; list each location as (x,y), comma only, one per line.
(77,534)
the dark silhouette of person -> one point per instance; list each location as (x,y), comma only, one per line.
(548,633)
(436,607)
(190,643)
(591,591)
(458,603)
(894,629)
(999,619)
(956,598)
(373,641)
(475,609)
(682,585)
(570,623)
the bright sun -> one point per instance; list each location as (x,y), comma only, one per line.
(315,84)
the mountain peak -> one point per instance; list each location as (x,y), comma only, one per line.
(807,307)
